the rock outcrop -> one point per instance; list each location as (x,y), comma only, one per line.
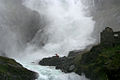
(11,70)
(102,62)
(66,64)
(63,63)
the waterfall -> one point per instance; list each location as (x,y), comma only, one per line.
(67,26)
(33,29)
(18,25)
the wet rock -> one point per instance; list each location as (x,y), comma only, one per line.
(72,67)
(63,63)
(51,61)
(11,70)
(73,53)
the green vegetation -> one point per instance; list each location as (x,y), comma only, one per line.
(11,70)
(100,63)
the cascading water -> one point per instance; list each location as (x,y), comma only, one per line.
(67,29)
(67,26)
(62,25)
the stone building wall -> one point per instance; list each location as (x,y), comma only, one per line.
(117,37)
(109,38)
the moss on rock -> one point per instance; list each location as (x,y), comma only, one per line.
(100,63)
(11,70)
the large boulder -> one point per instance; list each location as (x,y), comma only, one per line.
(63,63)
(11,70)
(51,61)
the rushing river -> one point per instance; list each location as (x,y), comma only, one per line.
(50,73)
(33,29)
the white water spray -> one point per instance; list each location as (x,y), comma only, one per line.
(67,26)
(67,29)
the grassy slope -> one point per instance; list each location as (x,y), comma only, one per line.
(100,63)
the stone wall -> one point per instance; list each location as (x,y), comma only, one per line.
(109,38)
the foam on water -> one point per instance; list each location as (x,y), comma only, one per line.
(67,29)
(50,73)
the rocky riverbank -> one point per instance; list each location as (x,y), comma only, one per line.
(11,70)
(102,62)
(63,63)
(98,64)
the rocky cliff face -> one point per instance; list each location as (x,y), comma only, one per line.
(11,70)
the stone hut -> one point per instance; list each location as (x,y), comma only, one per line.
(117,37)
(110,38)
